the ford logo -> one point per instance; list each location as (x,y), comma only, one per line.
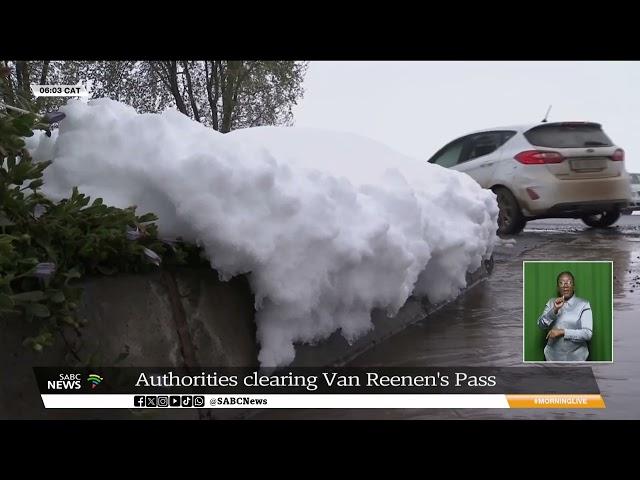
(590,150)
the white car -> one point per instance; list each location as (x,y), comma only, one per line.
(545,170)
(634,205)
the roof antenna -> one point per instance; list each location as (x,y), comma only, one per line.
(544,120)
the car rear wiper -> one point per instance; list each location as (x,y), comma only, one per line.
(594,143)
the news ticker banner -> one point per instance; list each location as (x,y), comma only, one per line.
(533,386)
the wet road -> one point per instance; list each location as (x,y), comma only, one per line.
(484,326)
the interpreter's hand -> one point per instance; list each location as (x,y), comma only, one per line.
(555,332)
(557,304)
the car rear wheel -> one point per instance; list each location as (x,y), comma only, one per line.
(510,218)
(602,220)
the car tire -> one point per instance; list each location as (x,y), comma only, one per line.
(602,220)
(510,218)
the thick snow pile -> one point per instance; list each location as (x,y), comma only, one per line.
(328,225)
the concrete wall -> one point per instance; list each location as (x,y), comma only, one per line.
(185,318)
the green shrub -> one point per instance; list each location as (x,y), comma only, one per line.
(45,246)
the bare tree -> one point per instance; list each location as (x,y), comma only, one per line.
(222,94)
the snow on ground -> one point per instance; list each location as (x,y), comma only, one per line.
(505,242)
(328,225)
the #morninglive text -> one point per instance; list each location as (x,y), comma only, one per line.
(312,382)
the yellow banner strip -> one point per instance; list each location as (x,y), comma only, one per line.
(555,401)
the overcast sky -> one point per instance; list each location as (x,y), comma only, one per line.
(417,107)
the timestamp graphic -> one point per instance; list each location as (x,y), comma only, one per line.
(59,91)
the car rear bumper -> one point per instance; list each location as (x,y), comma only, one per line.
(574,198)
(577,210)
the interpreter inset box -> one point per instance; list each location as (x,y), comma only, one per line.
(567,311)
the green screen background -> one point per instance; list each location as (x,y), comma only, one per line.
(593,283)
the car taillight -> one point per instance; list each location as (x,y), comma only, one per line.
(618,155)
(537,157)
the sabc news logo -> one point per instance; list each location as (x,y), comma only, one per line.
(73,381)
(94,380)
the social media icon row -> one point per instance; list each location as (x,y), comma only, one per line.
(163,401)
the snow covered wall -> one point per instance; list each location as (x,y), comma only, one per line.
(327,225)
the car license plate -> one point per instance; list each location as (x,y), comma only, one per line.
(588,164)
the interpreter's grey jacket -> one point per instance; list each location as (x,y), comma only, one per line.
(577,321)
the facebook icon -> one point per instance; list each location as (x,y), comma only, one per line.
(138,401)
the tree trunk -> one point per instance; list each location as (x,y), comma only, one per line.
(168,73)
(6,84)
(45,71)
(43,81)
(230,88)
(213,90)
(22,77)
(194,105)
(227,96)
(241,77)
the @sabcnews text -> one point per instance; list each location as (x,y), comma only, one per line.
(194,401)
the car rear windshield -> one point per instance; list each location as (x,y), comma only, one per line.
(635,178)
(568,136)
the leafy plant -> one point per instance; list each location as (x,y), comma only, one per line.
(46,246)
